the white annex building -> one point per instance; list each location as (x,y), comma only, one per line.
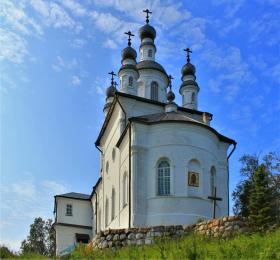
(159,161)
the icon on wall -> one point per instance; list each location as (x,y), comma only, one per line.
(193,179)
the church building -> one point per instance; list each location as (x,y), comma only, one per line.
(161,163)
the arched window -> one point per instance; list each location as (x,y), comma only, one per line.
(212,180)
(113,204)
(106,212)
(150,53)
(163,178)
(193,97)
(154,91)
(124,189)
(130,81)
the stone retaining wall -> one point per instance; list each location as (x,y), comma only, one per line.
(223,228)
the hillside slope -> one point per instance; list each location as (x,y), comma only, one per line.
(250,246)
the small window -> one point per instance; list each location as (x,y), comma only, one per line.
(154,91)
(150,53)
(107,167)
(106,212)
(113,204)
(130,81)
(113,154)
(124,189)
(193,97)
(69,210)
(163,179)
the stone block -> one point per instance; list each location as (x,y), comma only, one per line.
(139,236)
(148,241)
(131,242)
(131,236)
(104,244)
(236,227)
(116,237)
(140,242)
(109,237)
(122,237)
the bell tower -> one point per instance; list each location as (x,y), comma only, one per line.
(189,88)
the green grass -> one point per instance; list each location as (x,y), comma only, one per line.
(250,246)
(6,253)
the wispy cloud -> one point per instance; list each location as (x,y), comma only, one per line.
(63,64)
(24,200)
(78,43)
(76,80)
(13,47)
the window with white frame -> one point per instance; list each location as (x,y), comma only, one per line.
(150,53)
(163,178)
(69,210)
(124,189)
(130,81)
(154,91)
(113,202)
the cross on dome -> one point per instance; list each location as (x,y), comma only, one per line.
(112,78)
(188,54)
(129,33)
(115,84)
(170,83)
(147,11)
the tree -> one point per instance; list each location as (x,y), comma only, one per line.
(250,164)
(261,206)
(41,238)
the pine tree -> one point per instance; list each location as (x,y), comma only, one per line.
(261,210)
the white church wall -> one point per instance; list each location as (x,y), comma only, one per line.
(112,177)
(66,236)
(180,143)
(124,169)
(82,211)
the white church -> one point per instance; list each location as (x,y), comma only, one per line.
(161,163)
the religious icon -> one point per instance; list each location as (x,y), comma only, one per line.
(193,179)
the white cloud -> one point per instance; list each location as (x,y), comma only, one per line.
(78,43)
(15,16)
(13,47)
(54,187)
(24,200)
(275,72)
(264,29)
(231,7)
(110,44)
(75,7)
(76,81)
(62,64)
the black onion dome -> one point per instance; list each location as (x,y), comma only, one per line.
(147,31)
(170,96)
(188,69)
(110,92)
(129,53)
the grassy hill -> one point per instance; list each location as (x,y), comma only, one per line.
(250,246)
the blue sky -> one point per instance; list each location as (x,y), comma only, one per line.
(55,56)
